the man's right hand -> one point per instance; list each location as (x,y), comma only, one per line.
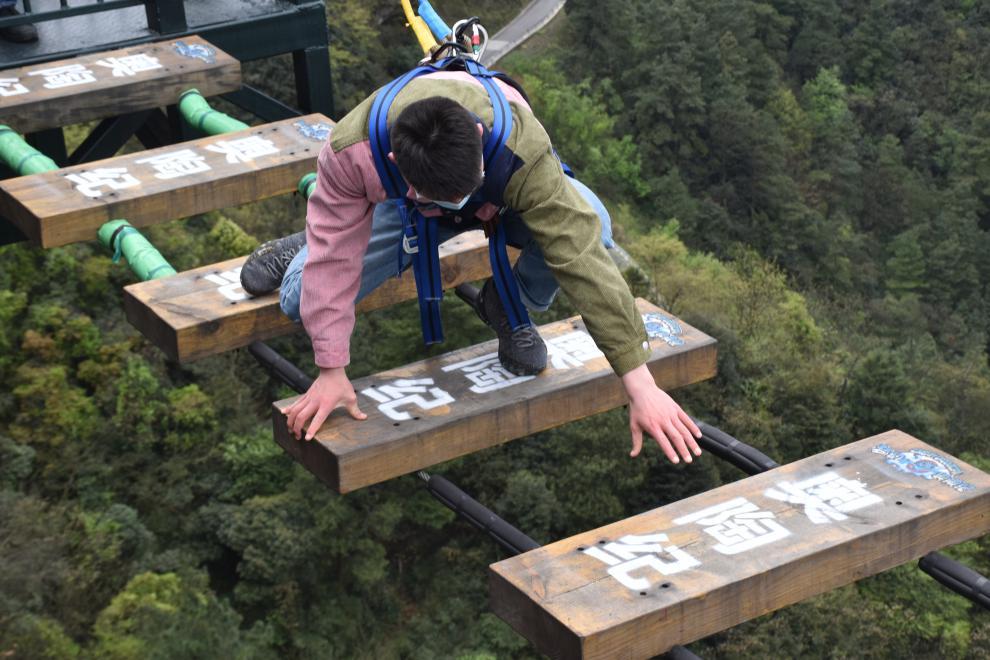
(330,390)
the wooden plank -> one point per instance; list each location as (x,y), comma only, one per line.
(111,83)
(69,205)
(741,550)
(441,408)
(205,311)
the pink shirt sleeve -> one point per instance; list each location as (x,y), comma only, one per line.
(338,228)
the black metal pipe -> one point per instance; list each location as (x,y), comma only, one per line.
(958,577)
(680,653)
(279,367)
(260,104)
(166,16)
(745,457)
(108,137)
(455,499)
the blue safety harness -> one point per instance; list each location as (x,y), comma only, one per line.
(420,233)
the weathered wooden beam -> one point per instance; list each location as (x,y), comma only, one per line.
(176,181)
(205,311)
(111,83)
(438,409)
(679,573)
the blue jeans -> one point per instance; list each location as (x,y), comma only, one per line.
(537,286)
(7,3)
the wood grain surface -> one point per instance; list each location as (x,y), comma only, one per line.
(57,208)
(441,408)
(204,311)
(818,524)
(108,95)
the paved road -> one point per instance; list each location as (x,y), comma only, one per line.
(533,17)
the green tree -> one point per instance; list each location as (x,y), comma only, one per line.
(906,265)
(880,397)
(169,616)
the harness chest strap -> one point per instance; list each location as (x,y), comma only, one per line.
(420,233)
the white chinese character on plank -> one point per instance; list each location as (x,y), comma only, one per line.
(564,352)
(738,525)
(115,178)
(632,552)
(65,76)
(243,150)
(487,373)
(406,392)
(827,496)
(572,350)
(129,65)
(12,87)
(174,164)
(229,284)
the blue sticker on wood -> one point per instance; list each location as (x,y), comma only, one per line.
(926,464)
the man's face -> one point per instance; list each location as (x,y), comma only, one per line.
(457,204)
(451,204)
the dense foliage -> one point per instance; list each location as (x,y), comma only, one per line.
(808,181)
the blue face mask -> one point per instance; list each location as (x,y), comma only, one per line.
(453,206)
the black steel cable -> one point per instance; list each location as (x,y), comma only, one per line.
(747,458)
(958,577)
(455,499)
(281,368)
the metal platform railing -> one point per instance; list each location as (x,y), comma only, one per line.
(164,16)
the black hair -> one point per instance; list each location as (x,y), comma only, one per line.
(437,148)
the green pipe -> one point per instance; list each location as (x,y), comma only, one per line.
(145,260)
(21,156)
(123,239)
(307,185)
(197,112)
(117,235)
(126,241)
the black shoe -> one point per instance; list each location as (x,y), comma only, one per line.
(21,34)
(522,352)
(263,271)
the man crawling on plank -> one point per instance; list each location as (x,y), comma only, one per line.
(427,157)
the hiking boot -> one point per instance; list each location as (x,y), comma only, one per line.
(21,34)
(522,352)
(263,271)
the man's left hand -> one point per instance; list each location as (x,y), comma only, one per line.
(652,411)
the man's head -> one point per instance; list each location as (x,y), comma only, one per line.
(437,148)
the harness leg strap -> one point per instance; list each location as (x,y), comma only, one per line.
(505,280)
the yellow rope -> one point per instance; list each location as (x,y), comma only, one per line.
(419,27)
